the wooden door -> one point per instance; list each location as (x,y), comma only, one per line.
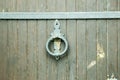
(94,45)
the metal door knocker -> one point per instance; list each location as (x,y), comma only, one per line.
(56,45)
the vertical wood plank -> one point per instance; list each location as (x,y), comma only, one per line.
(112,47)
(62,63)
(91,42)
(21,6)
(41,5)
(101,50)
(3,44)
(91,50)
(81,43)
(3,50)
(31,51)
(118,50)
(41,53)
(12,54)
(11,5)
(51,62)
(101,43)
(41,41)
(12,59)
(71,35)
(31,43)
(31,6)
(112,40)
(22,43)
(118,42)
(81,50)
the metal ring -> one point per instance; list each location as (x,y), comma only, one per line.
(56,54)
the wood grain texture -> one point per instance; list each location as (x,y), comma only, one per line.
(101,43)
(12,58)
(31,43)
(22,42)
(3,45)
(22,49)
(112,40)
(118,74)
(62,64)
(81,50)
(118,43)
(81,43)
(52,68)
(41,41)
(71,36)
(101,50)
(22,38)
(3,50)
(31,51)
(91,42)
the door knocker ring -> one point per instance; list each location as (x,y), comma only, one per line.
(56,41)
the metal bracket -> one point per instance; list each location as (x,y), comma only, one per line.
(59,15)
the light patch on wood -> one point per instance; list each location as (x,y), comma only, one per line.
(100,52)
(100,55)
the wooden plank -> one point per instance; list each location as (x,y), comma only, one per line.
(41,41)
(71,36)
(21,6)
(91,50)
(80,5)
(89,5)
(12,48)
(22,43)
(81,43)
(112,40)
(118,43)
(63,62)
(11,6)
(3,45)
(12,57)
(3,50)
(81,50)
(41,52)
(41,5)
(31,53)
(51,62)
(91,42)
(118,50)
(31,6)
(112,47)
(101,50)
(101,5)
(101,43)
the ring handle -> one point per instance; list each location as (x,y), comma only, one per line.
(57,37)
